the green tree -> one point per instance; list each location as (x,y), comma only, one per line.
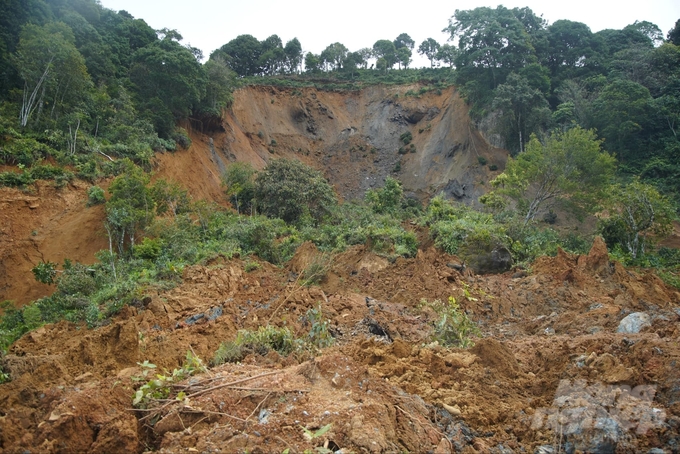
(292,191)
(129,209)
(493,42)
(403,57)
(620,113)
(312,62)
(334,55)
(447,54)
(523,110)
(570,166)
(220,82)
(384,49)
(673,35)
(243,54)
(638,213)
(240,185)
(404,40)
(52,69)
(168,81)
(429,48)
(293,51)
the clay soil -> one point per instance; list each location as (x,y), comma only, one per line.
(383,387)
(549,372)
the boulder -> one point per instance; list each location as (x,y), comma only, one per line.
(633,323)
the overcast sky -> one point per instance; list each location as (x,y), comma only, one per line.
(210,24)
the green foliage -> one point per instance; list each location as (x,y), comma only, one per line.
(240,185)
(45,272)
(406,137)
(319,335)
(388,199)
(292,191)
(456,225)
(260,342)
(161,387)
(453,328)
(637,213)
(95,196)
(130,207)
(568,165)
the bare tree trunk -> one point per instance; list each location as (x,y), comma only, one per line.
(29,102)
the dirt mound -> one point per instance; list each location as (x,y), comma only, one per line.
(549,342)
(47,224)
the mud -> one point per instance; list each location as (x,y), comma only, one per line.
(384,386)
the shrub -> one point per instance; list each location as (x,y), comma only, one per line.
(95,196)
(293,191)
(453,328)
(481,160)
(263,340)
(319,336)
(406,137)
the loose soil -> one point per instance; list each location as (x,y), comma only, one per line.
(549,373)
(383,387)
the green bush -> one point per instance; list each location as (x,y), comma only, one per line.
(292,191)
(263,340)
(16,180)
(95,196)
(406,137)
(453,328)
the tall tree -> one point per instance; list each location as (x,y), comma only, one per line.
(52,69)
(243,55)
(385,50)
(523,110)
(168,80)
(570,166)
(429,48)
(404,40)
(293,51)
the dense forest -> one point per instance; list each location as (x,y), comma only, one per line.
(589,118)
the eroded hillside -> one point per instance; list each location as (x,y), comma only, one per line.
(352,136)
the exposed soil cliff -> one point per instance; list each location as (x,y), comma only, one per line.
(352,136)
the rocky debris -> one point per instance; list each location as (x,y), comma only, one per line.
(634,323)
(498,260)
(384,375)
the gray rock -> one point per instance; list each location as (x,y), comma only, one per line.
(634,322)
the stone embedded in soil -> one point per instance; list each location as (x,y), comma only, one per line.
(634,323)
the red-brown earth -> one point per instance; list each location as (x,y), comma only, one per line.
(549,372)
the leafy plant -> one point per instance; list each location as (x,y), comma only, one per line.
(95,196)
(160,387)
(319,336)
(453,328)
(263,340)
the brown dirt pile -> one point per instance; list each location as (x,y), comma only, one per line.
(383,387)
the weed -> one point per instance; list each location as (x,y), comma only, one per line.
(453,328)
(160,387)
(251,266)
(263,340)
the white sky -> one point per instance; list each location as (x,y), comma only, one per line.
(209,24)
